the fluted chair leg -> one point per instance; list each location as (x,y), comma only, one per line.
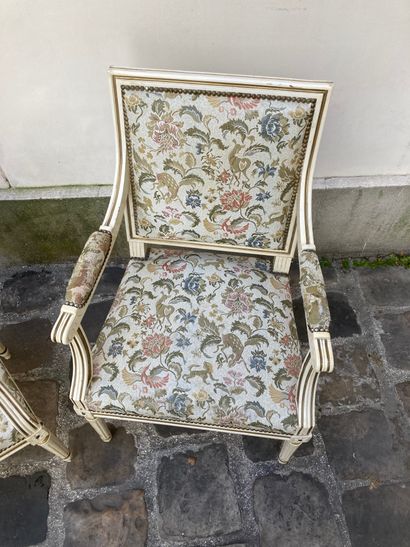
(287,450)
(51,443)
(101,428)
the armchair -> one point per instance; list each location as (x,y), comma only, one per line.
(214,181)
(19,426)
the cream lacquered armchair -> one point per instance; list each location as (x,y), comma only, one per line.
(214,180)
(19,426)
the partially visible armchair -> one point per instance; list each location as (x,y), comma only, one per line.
(19,426)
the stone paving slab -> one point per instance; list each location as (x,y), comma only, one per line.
(30,290)
(196,495)
(364,445)
(95,464)
(385,286)
(24,509)
(110,280)
(396,337)
(109,520)
(175,487)
(353,381)
(379,517)
(31,344)
(294,510)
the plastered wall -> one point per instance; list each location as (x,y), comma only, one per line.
(55,113)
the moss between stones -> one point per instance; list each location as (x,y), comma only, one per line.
(390,260)
(325,262)
(378,262)
(50,230)
(55,230)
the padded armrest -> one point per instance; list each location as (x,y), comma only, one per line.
(313,292)
(87,269)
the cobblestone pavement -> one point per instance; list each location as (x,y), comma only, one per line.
(167,487)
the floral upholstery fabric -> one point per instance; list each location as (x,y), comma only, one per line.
(200,337)
(313,292)
(88,268)
(215,167)
(8,434)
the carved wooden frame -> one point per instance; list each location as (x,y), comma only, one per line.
(67,329)
(23,419)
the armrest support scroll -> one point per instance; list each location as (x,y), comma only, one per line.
(321,351)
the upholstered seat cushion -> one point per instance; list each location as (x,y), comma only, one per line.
(8,433)
(199,337)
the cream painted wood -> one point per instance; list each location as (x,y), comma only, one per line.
(287,450)
(26,423)
(138,249)
(67,329)
(282,264)
(82,371)
(4,352)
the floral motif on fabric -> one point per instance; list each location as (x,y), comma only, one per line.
(88,268)
(201,337)
(215,168)
(313,292)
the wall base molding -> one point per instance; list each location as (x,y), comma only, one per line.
(352,216)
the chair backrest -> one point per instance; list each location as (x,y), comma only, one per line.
(216,161)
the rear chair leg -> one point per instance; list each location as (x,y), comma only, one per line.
(51,443)
(287,450)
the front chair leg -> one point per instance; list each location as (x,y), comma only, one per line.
(288,449)
(100,427)
(82,373)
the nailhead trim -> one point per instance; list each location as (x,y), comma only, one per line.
(317,329)
(312,102)
(216,93)
(148,419)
